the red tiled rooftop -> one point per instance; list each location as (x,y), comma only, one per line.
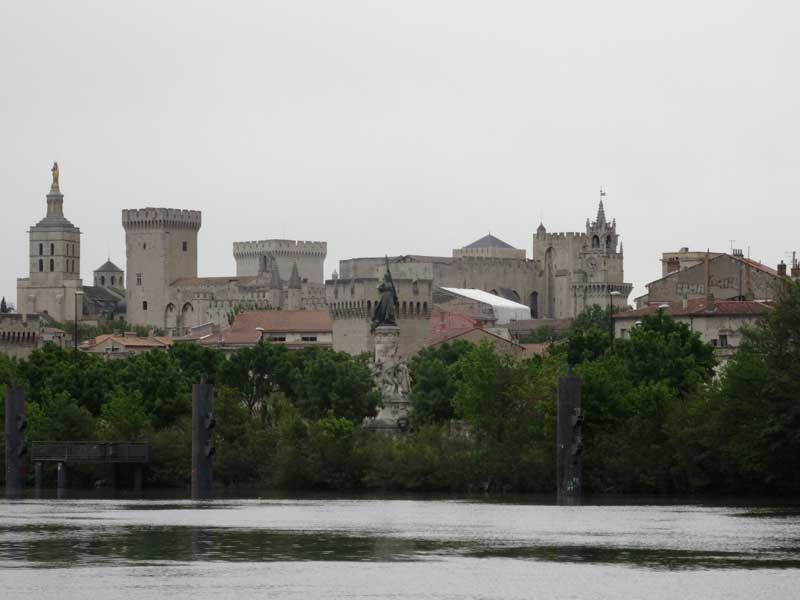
(699,307)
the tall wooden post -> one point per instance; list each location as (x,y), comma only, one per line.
(202,440)
(16,449)
(569,443)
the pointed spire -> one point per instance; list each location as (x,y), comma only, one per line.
(294,279)
(601,213)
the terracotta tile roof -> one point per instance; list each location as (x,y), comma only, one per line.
(243,330)
(128,341)
(697,307)
(454,334)
(756,264)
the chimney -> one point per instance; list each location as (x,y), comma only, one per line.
(748,284)
(782,269)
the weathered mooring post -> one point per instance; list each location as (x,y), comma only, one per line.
(202,439)
(569,443)
(61,479)
(39,478)
(16,449)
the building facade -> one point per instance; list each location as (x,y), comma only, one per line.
(719,323)
(723,276)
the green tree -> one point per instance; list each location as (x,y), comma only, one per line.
(58,417)
(758,408)
(663,349)
(510,405)
(157,378)
(334,383)
(434,381)
(124,417)
(196,361)
(253,372)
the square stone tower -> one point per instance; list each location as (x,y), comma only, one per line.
(161,246)
(54,252)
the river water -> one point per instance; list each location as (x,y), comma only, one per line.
(395,548)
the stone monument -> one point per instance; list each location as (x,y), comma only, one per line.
(389,369)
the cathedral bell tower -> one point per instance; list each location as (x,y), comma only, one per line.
(54,252)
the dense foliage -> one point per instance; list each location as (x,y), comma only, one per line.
(660,416)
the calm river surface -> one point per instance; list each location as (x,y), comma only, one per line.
(401,548)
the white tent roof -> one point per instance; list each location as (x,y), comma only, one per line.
(504,310)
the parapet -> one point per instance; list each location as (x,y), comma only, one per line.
(278,247)
(564,235)
(143,218)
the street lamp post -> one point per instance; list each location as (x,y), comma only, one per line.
(76,319)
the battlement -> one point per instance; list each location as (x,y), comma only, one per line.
(141,218)
(278,247)
(564,235)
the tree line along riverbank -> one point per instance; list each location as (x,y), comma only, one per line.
(660,417)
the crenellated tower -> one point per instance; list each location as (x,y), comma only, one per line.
(161,247)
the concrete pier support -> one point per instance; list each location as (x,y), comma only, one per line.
(569,442)
(202,440)
(16,449)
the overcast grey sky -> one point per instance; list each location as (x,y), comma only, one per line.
(404,127)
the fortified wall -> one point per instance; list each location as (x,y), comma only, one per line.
(309,257)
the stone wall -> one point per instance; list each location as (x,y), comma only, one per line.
(20,334)
(309,256)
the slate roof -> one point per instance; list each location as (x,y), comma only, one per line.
(489,241)
(108,267)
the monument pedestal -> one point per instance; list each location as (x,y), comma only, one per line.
(393,379)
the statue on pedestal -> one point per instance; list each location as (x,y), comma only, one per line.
(54,170)
(389,369)
(385,312)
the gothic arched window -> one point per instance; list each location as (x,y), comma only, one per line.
(102,279)
(41,265)
(52,265)
(595,242)
(52,249)
(41,249)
